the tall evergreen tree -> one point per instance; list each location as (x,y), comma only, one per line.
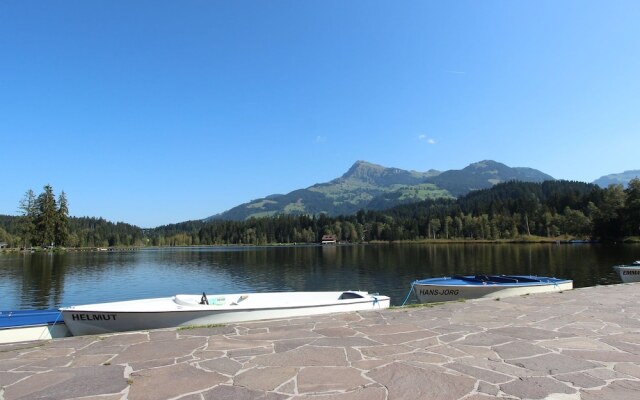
(47,217)
(28,209)
(62,222)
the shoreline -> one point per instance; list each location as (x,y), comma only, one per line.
(519,240)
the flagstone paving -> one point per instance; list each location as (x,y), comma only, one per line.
(580,344)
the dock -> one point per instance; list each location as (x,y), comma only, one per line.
(579,344)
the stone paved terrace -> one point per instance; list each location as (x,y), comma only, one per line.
(580,344)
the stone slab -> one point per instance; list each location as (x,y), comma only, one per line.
(571,345)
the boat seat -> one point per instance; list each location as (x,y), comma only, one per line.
(502,279)
(181,300)
(525,279)
(494,278)
(507,279)
(241,298)
(477,278)
(350,295)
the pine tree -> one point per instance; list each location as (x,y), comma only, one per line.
(28,210)
(47,217)
(62,221)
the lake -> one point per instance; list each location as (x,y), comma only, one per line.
(50,280)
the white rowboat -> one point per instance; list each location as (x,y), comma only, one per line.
(629,273)
(494,286)
(195,310)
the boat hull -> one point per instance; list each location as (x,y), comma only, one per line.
(452,289)
(628,273)
(31,325)
(184,310)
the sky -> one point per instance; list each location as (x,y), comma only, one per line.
(158,112)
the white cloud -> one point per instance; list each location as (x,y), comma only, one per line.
(321,139)
(424,138)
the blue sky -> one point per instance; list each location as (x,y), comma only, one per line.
(156,112)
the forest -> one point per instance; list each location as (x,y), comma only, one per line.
(45,223)
(551,210)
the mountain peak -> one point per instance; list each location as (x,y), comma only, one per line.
(370,186)
(486,164)
(362,169)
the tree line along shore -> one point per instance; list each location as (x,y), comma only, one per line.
(551,211)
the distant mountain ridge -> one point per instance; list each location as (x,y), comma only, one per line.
(483,175)
(371,186)
(622,178)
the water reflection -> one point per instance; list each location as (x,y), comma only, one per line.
(43,280)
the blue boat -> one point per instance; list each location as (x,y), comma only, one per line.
(471,287)
(29,325)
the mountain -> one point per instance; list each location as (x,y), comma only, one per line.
(483,175)
(622,178)
(370,186)
(362,183)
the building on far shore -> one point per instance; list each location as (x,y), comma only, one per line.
(329,239)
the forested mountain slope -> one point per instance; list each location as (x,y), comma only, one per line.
(374,187)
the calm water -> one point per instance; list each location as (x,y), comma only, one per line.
(51,280)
